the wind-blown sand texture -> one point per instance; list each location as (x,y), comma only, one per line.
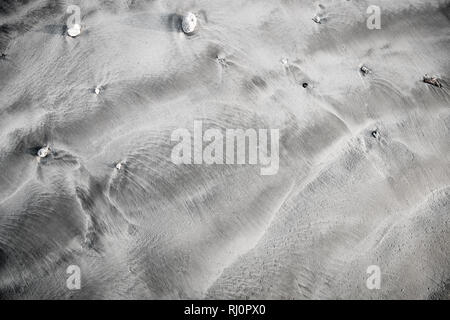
(341,201)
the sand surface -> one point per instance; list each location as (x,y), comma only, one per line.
(341,201)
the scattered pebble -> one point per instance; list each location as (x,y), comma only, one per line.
(74,31)
(222,61)
(317,19)
(119,165)
(365,71)
(376,134)
(97,90)
(305,85)
(435,81)
(189,23)
(44,152)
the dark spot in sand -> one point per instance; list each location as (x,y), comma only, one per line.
(55,29)
(259,82)
(87,203)
(202,13)
(174,22)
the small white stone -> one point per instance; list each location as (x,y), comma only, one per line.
(284,61)
(316,19)
(97,90)
(189,23)
(119,165)
(74,31)
(43,152)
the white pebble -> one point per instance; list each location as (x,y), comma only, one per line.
(119,165)
(189,23)
(74,31)
(43,152)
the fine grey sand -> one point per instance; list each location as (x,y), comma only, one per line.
(342,200)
